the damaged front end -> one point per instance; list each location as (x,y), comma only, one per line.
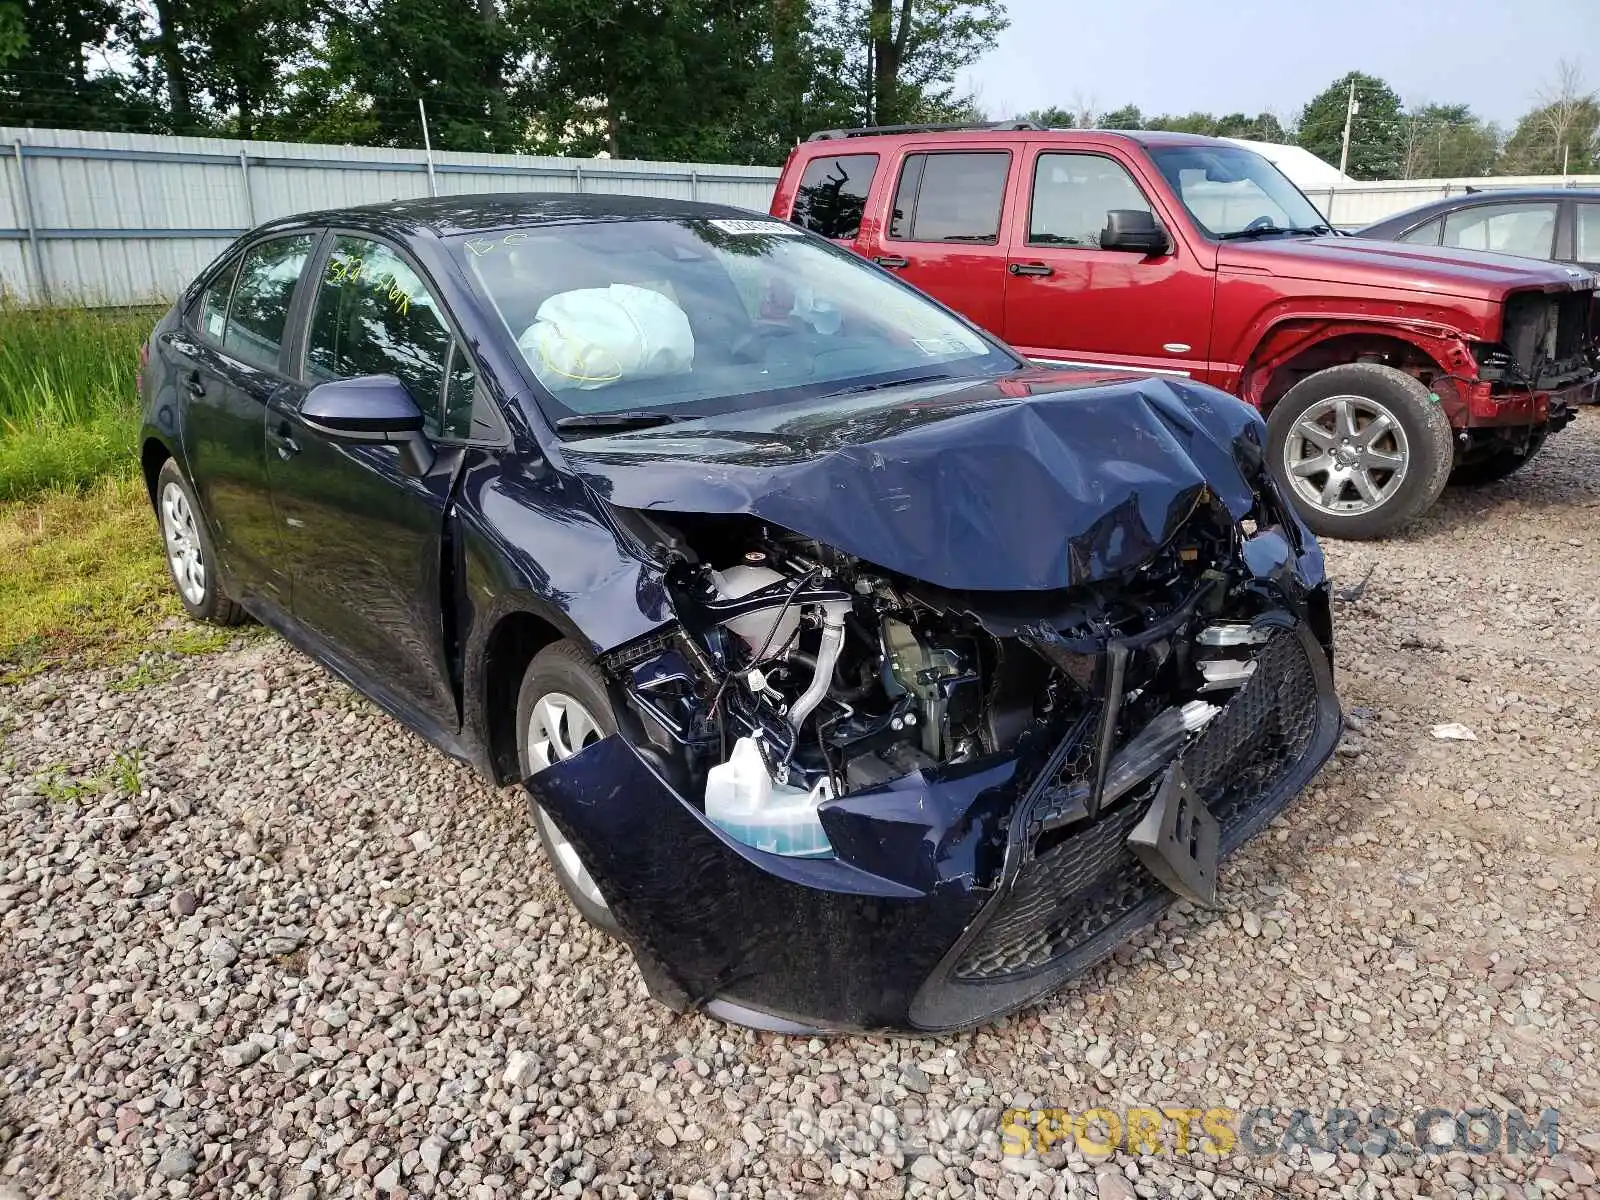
(844,798)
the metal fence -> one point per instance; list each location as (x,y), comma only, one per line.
(117,218)
(113,218)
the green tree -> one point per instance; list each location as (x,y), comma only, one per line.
(1561,134)
(1052,118)
(1126,117)
(13,32)
(49,72)
(1376,137)
(1444,140)
(903,56)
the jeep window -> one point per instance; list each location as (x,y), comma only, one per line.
(1072,194)
(1527,229)
(1426,234)
(1230,191)
(950,197)
(1588,250)
(698,316)
(833,194)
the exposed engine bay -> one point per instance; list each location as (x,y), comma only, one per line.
(800,674)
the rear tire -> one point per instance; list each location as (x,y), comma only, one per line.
(191,557)
(562,707)
(1499,464)
(1360,449)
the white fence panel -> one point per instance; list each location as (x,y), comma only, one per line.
(1353,205)
(116,218)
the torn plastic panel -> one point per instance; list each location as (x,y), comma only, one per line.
(944,905)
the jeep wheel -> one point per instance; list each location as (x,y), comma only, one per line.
(1360,449)
(1499,462)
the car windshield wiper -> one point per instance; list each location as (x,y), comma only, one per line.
(888,383)
(1265,230)
(643,419)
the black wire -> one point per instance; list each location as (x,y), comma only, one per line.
(760,656)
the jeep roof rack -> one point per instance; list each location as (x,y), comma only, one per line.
(823,135)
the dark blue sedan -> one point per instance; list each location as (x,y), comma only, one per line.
(862,675)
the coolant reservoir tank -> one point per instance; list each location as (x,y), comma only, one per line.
(743,799)
(763,628)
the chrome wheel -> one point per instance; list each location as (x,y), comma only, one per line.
(560,727)
(184,554)
(1346,455)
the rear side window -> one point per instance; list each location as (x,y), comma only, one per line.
(833,194)
(1588,248)
(259,311)
(1424,235)
(211,314)
(1072,193)
(374,316)
(950,197)
(1528,230)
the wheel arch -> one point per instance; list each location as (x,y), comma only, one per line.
(510,645)
(153,454)
(1293,350)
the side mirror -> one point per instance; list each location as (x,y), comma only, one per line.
(370,409)
(1136,230)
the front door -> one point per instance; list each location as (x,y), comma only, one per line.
(363,537)
(227,359)
(1068,300)
(943,232)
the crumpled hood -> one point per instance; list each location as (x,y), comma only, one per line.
(1038,480)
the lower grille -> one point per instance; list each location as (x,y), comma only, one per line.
(1066,900)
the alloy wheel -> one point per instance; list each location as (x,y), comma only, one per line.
(182,538)
(1346,455)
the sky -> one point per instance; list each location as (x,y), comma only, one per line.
(1179,56)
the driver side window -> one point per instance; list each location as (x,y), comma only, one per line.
(374,316)
(1072,193)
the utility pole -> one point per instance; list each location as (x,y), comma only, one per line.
(427,145)
(1351,108)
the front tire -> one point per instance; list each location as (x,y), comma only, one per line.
(191,558)
(562,707)
(1360,449)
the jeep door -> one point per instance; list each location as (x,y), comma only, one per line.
(944,229)
(1069,300)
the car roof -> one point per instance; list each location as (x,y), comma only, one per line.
(442,216)
(1446,204)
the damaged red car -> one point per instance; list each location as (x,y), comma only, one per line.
(863,675)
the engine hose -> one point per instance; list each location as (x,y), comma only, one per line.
(827,655)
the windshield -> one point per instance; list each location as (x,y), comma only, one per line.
(1229,191)
(671,318)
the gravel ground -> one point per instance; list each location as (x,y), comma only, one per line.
(258,941)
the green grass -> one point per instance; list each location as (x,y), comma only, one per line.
(69,408)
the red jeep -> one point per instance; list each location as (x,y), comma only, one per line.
(1383,369)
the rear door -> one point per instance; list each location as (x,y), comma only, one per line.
(362,537)
(1070,301)
(228,355)
(943,229)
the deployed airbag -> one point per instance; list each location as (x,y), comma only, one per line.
(592,337)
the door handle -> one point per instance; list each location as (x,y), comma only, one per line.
(194,385)
(283,438)
(892,261)
(1030,269)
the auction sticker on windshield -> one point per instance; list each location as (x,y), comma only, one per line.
(735,225)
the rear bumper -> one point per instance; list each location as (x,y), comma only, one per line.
(945,907)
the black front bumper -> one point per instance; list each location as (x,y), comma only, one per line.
(945,906)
